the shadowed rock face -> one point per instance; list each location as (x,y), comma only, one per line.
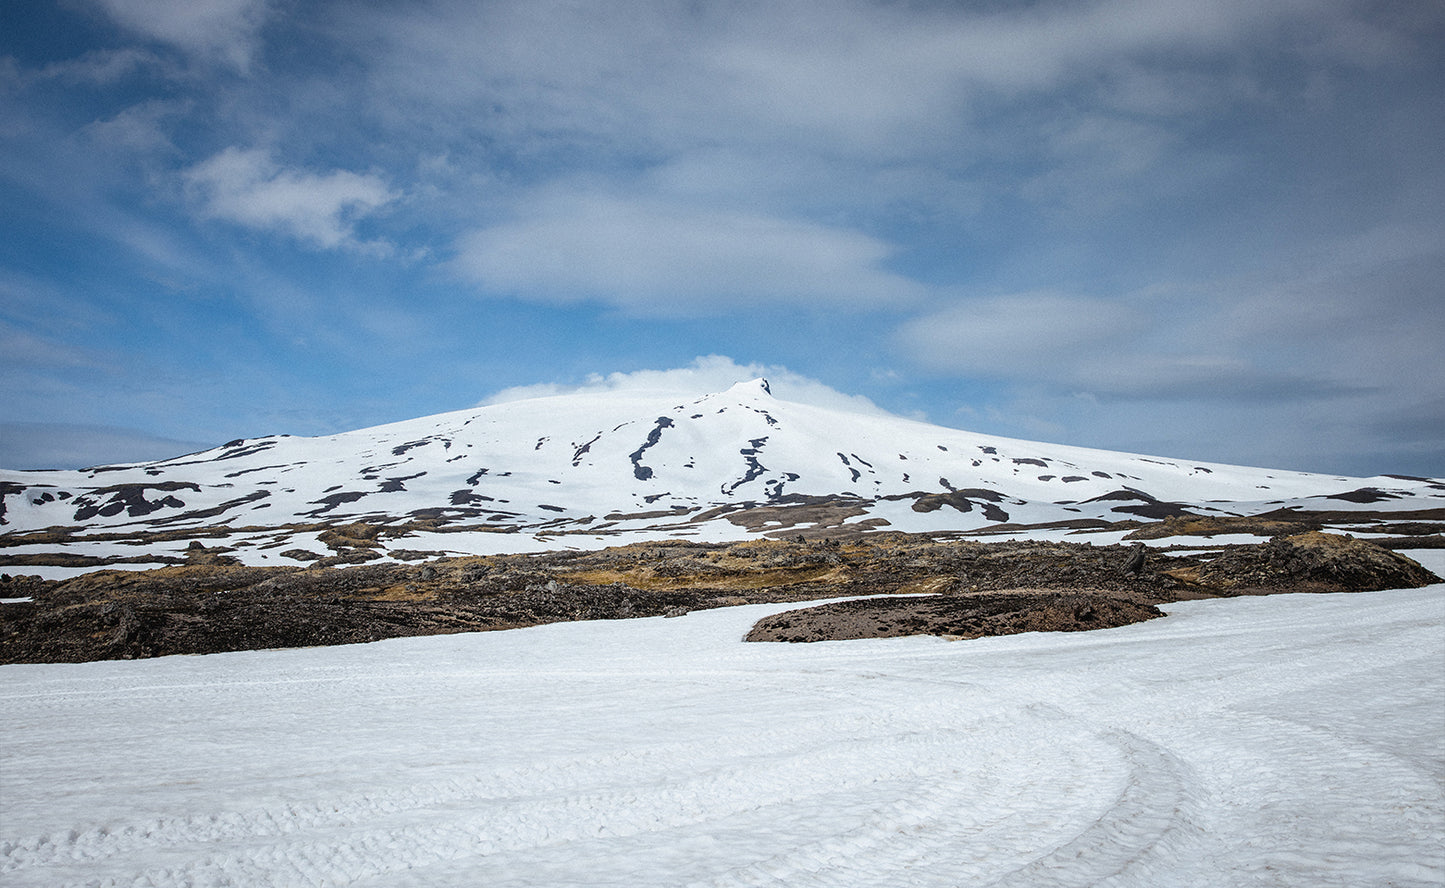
(210,605)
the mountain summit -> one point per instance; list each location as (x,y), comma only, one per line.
(593,469)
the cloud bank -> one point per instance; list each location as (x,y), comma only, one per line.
(705,375)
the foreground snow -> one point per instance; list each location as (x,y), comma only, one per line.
(1290,740)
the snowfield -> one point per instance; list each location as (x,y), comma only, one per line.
(586,471)
(1285,740)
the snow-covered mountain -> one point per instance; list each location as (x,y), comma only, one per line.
(594,469)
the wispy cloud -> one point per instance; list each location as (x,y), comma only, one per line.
(706,374)
(671,258)
(219,30)
(247,187)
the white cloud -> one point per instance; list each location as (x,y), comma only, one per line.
(664,257)
(247,187)
(705,375)
(857,78)
(222,30)
(139,128)
(1128,347)
(1028,334)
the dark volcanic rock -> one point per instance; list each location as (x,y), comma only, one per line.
(210,605)
(1312,562)
(963,616)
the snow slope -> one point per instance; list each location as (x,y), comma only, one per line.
(597,469)
(1282,741)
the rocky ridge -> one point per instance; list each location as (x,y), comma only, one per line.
(940,586)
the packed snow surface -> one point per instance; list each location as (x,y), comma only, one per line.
(1285,740)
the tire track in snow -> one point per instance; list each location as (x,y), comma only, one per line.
(969,822)
(337,841)
(1154,805)
(558,776)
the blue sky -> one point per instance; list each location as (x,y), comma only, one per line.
(1208,230)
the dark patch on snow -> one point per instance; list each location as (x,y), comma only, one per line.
(1047,477)
(550,508)
(466,497)
(1127,493)
(754,468)
(540,441)
(943,482)
(400,449)
(652,498)
(582,450)
(862,460)
(261,469)
(1101,474)
(129,498)
(988,450)
(328,503)
(217,510)
(1030,461)
(962,500)
(994,513)
(775,488)
(1069,479)
(1362,495)
(395,485)
(476,476)
(639,471)
(1204,470)
(1148,507)
(240,451)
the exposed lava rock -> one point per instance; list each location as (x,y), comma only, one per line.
(210,605)
(964,616)
(1312,562)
